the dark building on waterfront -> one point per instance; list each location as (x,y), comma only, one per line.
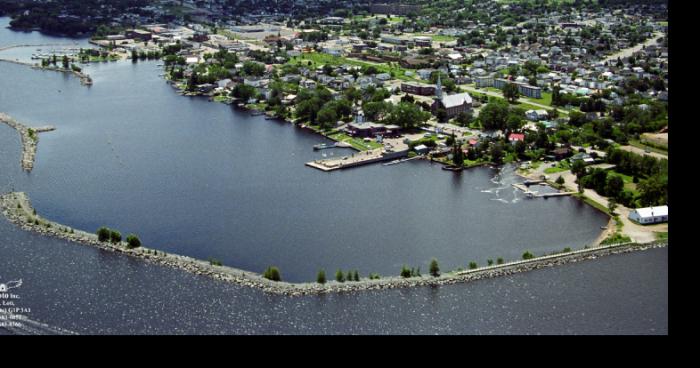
(138,34)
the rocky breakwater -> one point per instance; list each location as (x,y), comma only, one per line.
(30,139)
(84,78)
(17,208)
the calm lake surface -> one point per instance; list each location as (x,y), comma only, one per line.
(89,291)
(206,180)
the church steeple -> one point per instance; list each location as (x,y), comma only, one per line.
(438,88)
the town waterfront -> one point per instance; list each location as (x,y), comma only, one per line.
(210,181)
(207,180)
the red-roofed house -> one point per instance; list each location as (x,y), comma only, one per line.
(515,137)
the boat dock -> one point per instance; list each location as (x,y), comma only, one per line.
(357,159)
(558,194)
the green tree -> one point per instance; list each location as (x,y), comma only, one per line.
(272,273)
(511,92)
(321,278)
(405,272)
(434,268)
(578,168)
(356,276)
(614,186)
(457,156)
(494,115)
(103,234)
(339,276)
(252,68)
(326,117)
(612,205)
(375,111)
(115,236)
(243,91)
(496,152)
(132,241)
(473,265)
(528,255)
(407,115)
(560,181)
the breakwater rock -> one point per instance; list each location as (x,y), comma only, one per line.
(18,210)
(30,139)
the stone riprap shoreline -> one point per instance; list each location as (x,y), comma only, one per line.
(29,139)
(17,209)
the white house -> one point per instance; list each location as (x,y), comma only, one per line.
(650,215)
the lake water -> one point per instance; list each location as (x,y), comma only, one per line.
(90,291)
(206,180)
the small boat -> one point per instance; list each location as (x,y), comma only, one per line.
(321,146)
(453,168)
(603,227)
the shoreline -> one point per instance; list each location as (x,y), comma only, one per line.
(17,208)
(84,78)
(29,137)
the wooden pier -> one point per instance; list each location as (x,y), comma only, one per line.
(358,159)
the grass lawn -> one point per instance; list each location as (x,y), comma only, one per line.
(661,235)
(221,98)
(545,100)
(100,59)
(593,203)
(628,180)
(438,37)
(554,170)
(616,238)
(318,59)
(562,165)
(357,143)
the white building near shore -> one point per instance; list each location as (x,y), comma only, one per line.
(650,215)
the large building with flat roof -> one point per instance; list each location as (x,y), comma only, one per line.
(418,89)
(649,215)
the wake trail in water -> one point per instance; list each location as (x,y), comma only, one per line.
(503,190)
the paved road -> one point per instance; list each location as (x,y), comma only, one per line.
(631,50)
(640,151)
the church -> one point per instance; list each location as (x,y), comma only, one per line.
(453,104)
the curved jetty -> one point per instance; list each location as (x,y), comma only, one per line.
(84,78)
(18,210)
(29,139)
